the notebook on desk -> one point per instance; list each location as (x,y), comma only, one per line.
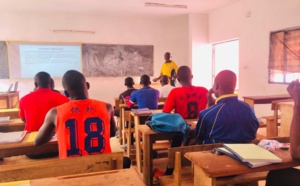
(251,152)
(251,164)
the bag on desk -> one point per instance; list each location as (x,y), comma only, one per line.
(165,122)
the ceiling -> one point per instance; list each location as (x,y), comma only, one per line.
(111,7)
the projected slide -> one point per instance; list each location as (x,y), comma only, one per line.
(54,59)
(27,59)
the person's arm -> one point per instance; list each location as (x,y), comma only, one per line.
(156,79)
(294,90)
(48,128)
(21,112)
(113,127)
(210,98)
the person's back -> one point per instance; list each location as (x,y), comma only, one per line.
(35,105)
(146,97)
(129,84)
(83,128)
(228,120)
(187,100)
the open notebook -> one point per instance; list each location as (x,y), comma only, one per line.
(249,154)
(251,164)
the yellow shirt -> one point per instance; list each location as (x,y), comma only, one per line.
(167,68)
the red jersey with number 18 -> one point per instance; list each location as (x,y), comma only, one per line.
(83,128)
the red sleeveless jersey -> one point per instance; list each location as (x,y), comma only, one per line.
(83,128)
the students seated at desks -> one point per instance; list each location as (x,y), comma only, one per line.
(35,105)
(290,177)
(227,120)
(187,100)
(166,87)
(82,125)
(146,97)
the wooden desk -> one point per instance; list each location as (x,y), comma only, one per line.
(208,167)
(13,113)
(24,148)
(107,178)
(149,137)
(137,122)
(251,100)
(9,100)
(12,125)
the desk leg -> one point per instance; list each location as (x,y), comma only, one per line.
(137,143)
(201,179)
(147,160)
(123,139)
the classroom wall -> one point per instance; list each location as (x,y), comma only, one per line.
(252,21)
(166,34)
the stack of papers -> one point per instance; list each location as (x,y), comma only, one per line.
(4,119)
(249,154)
(12,137)
(142,111)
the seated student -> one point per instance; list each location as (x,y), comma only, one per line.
(228,120)
(52,86)
(35,105)
(166,87)
(187,100)
(129,84)
(291,176)
(126,94)
(146,97)
(76,121)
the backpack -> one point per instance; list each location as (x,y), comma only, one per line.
(165,122)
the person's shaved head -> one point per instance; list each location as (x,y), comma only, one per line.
(184,76)
(42,80)
(75,84)
(168,56)
(225,83)
(164,80)
(145,80)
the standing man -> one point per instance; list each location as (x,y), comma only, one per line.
(187,100)
(228,120)
(169,68)
(146,97)
(35,105)
(166,87)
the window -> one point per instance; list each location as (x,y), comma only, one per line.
(284,56)
(226,57)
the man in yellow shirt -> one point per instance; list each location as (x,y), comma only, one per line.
(169,68)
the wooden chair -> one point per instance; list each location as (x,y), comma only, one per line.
(127,130)
(119,118)
(42,168)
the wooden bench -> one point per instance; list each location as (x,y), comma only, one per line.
(270,122)
(22,169)
(107,178)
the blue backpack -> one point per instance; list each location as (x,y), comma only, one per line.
(165,122)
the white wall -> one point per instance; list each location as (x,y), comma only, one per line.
(253,32)
(166,34)
(200,50)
